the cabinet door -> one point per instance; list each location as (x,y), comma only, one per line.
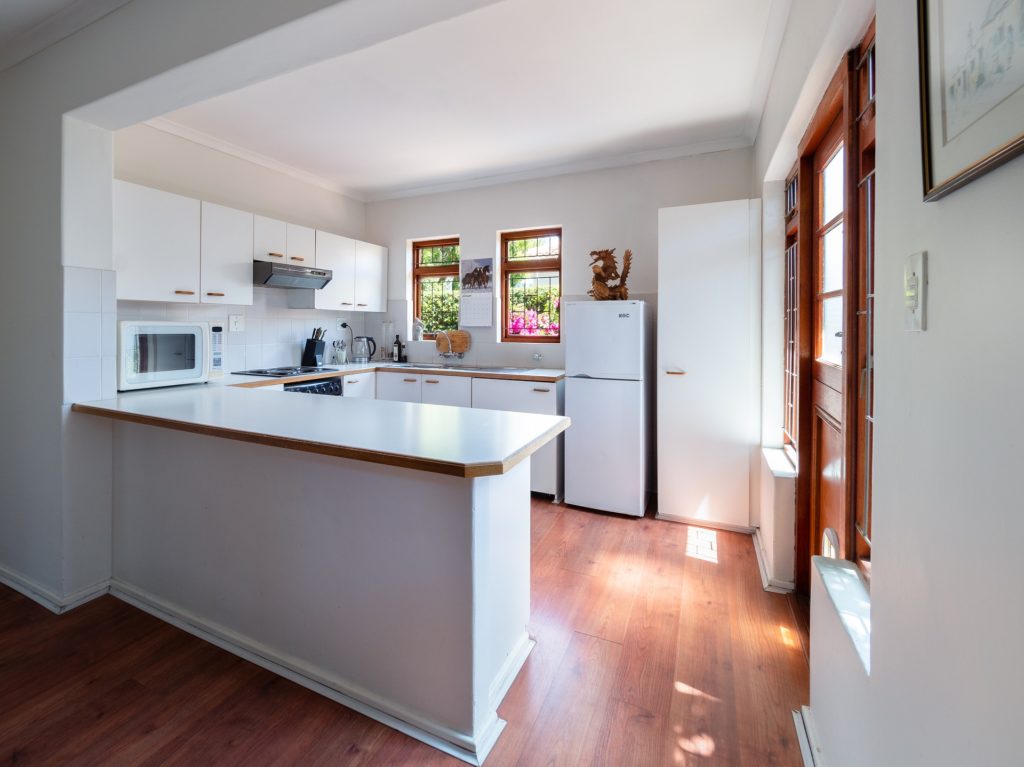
(269,239)
(338,254)
(301,245)
(371,277)
(403,387)
(527,397)
(359,385)
(156,244)
(447,390)
(225,275)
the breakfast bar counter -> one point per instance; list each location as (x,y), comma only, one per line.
(376,552)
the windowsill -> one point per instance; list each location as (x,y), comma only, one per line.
(778,462)
(850,597)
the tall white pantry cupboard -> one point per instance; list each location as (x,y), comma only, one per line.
(707,364)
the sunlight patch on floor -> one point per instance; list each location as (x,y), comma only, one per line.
(700,745)
(702,543)
(685,689)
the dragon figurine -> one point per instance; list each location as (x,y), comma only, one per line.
(606,269)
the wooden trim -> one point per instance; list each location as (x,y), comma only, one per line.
(510,267)
(448,468)
(436,270)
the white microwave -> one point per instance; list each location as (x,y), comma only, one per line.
(166,353)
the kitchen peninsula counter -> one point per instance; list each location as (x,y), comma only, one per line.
(375,552)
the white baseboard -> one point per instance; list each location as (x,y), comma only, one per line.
(745,529)
(452,742)
(810,747)
(773,585)
(49,599)
(510,669)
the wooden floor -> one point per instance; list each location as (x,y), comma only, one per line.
(655,646)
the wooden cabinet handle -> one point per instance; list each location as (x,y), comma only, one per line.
(296,258)
(431,381)
(362,304)
(543,391)
(675,372)
(409,380)
(353,381)
(276,255)
(184,292)
(219,295)
(346,303)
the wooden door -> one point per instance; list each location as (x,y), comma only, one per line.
(707,388)
(828,441)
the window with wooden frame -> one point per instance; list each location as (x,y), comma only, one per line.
(435,284)
(791,324)
(531,285)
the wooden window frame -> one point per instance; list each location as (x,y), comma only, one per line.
(535,265)
(436,270)
(791,320)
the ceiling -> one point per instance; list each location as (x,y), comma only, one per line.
(521,88)
(29,26)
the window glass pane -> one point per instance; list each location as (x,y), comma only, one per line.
(832,187)
(439,303)
(534,247)
(832,260)
(533,304)
(831,323)
(439,255)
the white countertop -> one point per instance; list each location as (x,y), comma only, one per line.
(448,440)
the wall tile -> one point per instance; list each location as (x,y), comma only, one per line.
(83,290)
(83,335)
(108,284)
(234,359)
(253,356)
(108,377)
(83,381)
(109,333)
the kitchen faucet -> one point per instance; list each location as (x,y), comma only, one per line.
(449,354)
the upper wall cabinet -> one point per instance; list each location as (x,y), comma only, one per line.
(338,254)
(371,277)
(301,245)
(156,244)
(269,239)
(226,255)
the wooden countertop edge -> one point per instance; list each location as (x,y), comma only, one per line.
(448,468)
(472,374)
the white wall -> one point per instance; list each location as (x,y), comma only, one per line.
(151,157)
(616,208)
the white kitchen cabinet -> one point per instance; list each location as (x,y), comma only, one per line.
(402,387)
(362,385)
(447,390)
(338,254)
(301,245)
(371,277)
(156,244)
(529,397)
(226,238)
(269,239)
(708,262)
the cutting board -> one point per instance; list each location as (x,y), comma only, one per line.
(460,342)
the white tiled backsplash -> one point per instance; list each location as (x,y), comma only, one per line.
(274,335)
(90,340)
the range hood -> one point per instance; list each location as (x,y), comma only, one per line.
(288,276)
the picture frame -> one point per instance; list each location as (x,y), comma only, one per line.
(971,78)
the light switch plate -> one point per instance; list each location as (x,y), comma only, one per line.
(915,291)
(236,323)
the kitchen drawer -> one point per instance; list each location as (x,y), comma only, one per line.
(517,396)
(359,385)
(403,387)
(447,390)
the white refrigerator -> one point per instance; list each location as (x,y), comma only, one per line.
(606,398)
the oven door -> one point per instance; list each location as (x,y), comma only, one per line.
(162,354)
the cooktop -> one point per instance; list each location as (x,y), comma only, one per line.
(283,372)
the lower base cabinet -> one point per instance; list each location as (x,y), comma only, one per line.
(359,385)
(399,387)
(447,390)
(529,397)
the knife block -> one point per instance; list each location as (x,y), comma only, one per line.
(313,354)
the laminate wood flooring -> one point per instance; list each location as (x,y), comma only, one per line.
(655,646)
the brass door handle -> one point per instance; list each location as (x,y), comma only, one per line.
(184,292)
(675,372)
(276,255)
(220,295)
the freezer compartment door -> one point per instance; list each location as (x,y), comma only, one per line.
(605,448)
(604,339)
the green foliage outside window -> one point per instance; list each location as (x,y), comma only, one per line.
(439,303)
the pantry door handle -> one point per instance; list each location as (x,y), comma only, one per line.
(276,255)
(675,372)
(184,292)
(218,295)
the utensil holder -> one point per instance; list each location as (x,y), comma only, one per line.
(313,354)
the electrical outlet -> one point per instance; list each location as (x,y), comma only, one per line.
(915,291)
(236,322)
(340,322)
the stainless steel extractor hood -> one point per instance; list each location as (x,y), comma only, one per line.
(288,276)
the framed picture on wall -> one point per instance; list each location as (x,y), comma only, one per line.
(972,89)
